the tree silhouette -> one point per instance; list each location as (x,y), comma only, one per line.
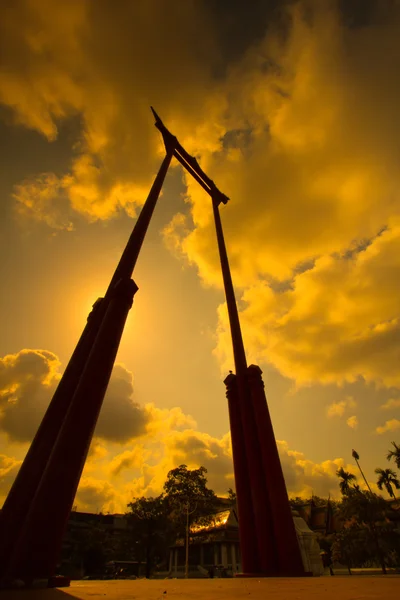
(346,480)
(190,500)
(395,454)
(185,487)
(356,456)
(231,496)
(148,522)
(388,479)
(367,510)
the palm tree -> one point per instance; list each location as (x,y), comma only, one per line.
(394,454)
(388,479)
(346,480)
(356,456)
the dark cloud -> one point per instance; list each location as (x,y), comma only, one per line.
(28,380)
(121,418)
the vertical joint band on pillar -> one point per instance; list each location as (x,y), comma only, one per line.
(125,289)
(95,308)
(230,383)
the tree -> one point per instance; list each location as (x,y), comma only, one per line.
(231,496)
(189,497)
(148,523)
(366,510)
(363,506)
(388,479)
(346,480)
(356,456)
(395,454)
(92,548)
(348,546)
(189,487)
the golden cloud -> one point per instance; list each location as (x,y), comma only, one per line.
(104,66)
(308,158)
(391,403)
(134,448)
(391,425)
(352,422)
(130,459)
(335,322)
(143,470)
(121,418)
(313,224)
(337,409)
(41,199)
(8,470)
(28,380)
(95,495)
(294,133)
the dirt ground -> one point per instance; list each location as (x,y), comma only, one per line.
(324,588)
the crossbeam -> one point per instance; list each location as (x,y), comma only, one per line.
(189,162)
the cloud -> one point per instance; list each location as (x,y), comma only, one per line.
(28,380)
(133,447)
(121,419)
(391,403)
(43,199)
(304,477)
(129,459)
(313,225)
(94,495)
(337,321)
(391,425)
(200,449)
(308,154)
(301,132)
(352,422)
(97,450)
(56,67)
(9,467)
(163,420)
(337,409)
(196,448)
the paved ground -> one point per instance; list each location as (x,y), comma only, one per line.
(322,588)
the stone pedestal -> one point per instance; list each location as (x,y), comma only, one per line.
(309,547)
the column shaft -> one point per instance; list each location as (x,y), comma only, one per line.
(17,504)
(284,534)
(38,546)
(247,528)
(267,554)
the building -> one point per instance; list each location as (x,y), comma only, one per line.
(322,520)
(212,547)
(81,526)
(215,548)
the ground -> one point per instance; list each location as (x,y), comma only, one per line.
(325,588)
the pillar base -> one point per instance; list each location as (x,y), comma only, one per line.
(264,575)
(253,575)
(56,581)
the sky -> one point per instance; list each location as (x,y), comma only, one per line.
(292,108)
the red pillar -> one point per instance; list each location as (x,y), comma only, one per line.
(247,530)
(36,551)
(290,563)
(259,493)
(251,447)
(18,501)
